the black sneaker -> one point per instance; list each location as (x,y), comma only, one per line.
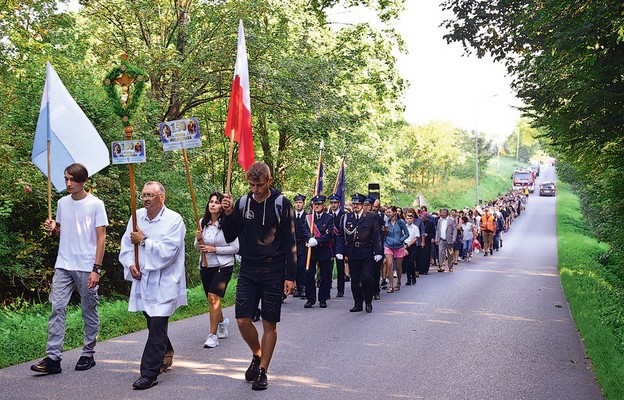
(84,363)
(252,372)
(47,366)
(261,382)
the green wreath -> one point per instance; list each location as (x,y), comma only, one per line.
(139,87)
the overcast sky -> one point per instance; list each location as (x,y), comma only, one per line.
(444,84)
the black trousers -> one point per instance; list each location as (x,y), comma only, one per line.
(157,346)
(302,253)
(409,262)
(340,273)
(423,258)
(362,280)
(325,271)
(377,265)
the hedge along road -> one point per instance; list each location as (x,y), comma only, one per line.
(497,328)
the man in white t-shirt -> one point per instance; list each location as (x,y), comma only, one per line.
(81,222)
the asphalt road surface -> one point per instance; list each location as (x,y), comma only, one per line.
(497,328)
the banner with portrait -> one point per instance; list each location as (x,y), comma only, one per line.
(128,151)
(180,134)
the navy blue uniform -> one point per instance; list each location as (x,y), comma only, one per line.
(340,264)
(322,255)
(358,241)
(302,234)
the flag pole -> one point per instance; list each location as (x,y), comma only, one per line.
(316,187)
(128,130)
(344,155)
(190,181)
(49,183)
(231,156)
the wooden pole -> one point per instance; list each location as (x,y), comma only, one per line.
(49,184)
(316,186)
(229,173)
(190,181)
(128,131)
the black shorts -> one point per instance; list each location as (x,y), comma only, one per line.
(257,283)
(215,279)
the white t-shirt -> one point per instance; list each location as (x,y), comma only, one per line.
(467,231)
(78,219)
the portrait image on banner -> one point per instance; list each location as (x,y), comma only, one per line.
(180,134)
(128,151)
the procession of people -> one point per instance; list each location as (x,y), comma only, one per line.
(285,249)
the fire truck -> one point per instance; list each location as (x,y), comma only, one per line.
(523,178)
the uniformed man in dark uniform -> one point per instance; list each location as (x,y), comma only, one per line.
(375,209)
(302,234)
(337,213)
(321,243)
(359,241)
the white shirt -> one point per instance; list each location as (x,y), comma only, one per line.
(443,224)
(78,241)
(467,231)
(162,287)
(212,235)
(414,232)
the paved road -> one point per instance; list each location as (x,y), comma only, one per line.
(496,328)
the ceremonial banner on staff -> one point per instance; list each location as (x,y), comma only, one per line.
(128,151)
(64,134)
(238,124)
(180,134)
(339,187)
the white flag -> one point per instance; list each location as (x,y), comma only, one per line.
(72,137)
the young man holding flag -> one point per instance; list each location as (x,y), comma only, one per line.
(83,221)
(266,233)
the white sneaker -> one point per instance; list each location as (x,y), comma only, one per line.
(212,341)
(222,331)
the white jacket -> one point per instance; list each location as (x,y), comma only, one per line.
(162,287)
(213,236)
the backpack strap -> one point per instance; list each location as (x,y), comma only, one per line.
(279,206)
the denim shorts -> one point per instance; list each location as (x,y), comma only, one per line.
(260,282)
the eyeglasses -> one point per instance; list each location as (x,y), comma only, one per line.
(409,216)
(148,196)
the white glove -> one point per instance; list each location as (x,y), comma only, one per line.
(377,258)
(339,257)
(312,242)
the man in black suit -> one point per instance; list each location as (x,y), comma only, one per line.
(321,242)
(359,240)
(337,213)
(302,234)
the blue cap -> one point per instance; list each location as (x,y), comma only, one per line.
(357,198)
(334,197)
(299,196)
(319,199)
(369,200)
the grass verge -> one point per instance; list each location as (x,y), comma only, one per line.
(24,327)
(595,294)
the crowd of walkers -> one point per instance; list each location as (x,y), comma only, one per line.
(414,239)
(283,248)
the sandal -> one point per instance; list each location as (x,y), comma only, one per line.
(397,288)
(391,290)
(450,269)
(441,269)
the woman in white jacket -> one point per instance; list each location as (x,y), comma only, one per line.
(216,263)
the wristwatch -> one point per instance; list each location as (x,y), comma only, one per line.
(97,269)
(142,242)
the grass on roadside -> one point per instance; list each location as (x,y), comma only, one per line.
(459,193)
(24,328)
(595,295)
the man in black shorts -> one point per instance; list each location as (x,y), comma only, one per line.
(264,224)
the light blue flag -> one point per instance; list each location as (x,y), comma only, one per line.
(72,137)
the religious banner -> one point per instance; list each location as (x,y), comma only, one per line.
(128,151)
(180,134)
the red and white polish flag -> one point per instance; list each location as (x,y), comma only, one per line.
(239,111)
